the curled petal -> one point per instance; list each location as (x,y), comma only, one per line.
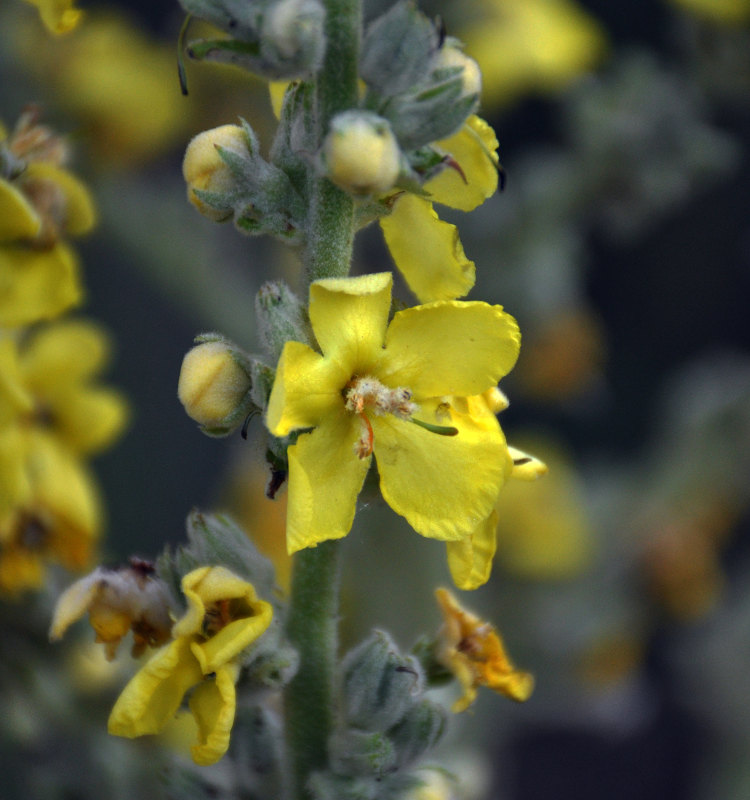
(457,348)
(349,318)
(154,693)
(307,389)
(213,705)
(18,218)
(427,251)
(470,560)
(444,485)
(325,477)
(473,149)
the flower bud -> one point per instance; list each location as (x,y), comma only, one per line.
(213,385)
(361,154)
(453,57)
(205,170)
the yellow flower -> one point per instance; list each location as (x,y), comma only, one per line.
(58,368)
(473,651)
(224,617)
(729,12)
(117,601)
(534,45)
(60,16)
(58,520)
(426,250)
(365,393)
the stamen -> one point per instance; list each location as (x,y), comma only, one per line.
(441,430)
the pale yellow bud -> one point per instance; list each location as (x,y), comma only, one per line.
(361,153)
(212,384)
(203,168)
(471,75)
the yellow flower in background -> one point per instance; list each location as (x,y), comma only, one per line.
(729,12)
(118,83)
(426,250)
(224,617)
(531,46)
(58,520)
(59,367)
(473,651)
(60,16)
(385,390)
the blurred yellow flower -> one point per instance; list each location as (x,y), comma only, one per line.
(473,651)
(380,388)
(531,46)
(224,617)
(58,520)
(729,12)
(60,16)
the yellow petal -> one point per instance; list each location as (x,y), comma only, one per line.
(470,560)
(306,389)
(213,704)
(90,419)
(18,218)
(474,150)
(79,211)
(427,251)
(73,603)
(449,348)
(349,317)
(151,698)
(325,477)
(444,485)
(15,488)
(277,90)
(59,16)
(36,285)
(14,396)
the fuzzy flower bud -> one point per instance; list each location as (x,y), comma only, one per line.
(453,57)
(361,154)
(212,384)
(204,169)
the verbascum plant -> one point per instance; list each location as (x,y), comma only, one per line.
(375,124)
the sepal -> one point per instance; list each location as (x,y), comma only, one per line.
(355,752)
(281,318)
(418,732)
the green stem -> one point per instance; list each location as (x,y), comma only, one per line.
(331,220)
(309,700)
(313,628)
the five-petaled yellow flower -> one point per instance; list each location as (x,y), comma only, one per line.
(473,651)
(363,395)
(224,617)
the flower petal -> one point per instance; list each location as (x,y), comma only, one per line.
(307,388)
(325,477)
(213,704)
(155,692)
(427,251)
(444,485)
(473,148)
(470,560)
(59,16)
(36,284)
(444,348)
(349,317)
(18,218)
(79,210)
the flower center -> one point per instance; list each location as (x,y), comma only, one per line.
(365,394)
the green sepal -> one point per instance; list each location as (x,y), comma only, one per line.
(241,18)
(419,731)
(281,318)
(257,750)
(398,49)
(379,684)
(361,753)
(296,135)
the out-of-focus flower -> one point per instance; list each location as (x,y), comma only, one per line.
(427,250)
(117,602)
(530,46)
(473,651)
(60,16)
(223,619)
(382,389)
(119,83)
(729,12)
(58,520)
